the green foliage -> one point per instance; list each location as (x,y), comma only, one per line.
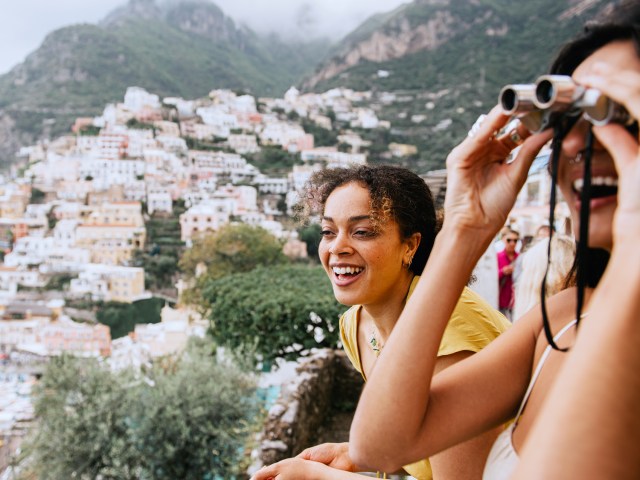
(162,251)
(186,418)
(272,159)
(311,235)
(136,124)
(274,312)
(59,282)
(159,269)
(122,318)
(37,195)
(89,131)
(233,249)
(321,136)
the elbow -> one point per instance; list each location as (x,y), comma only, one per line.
(370,456)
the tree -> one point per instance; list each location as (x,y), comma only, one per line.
(233,249)
(185,418)
(274,312)
(311,235)
(121,318)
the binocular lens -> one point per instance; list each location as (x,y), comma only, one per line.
(544,92)
(508,99)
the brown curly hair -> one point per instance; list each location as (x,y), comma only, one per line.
(396,193)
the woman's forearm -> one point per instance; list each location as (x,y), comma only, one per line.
(590,425)
(392,408)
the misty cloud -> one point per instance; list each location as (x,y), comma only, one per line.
(25,23)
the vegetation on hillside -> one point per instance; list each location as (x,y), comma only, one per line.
(493,44)
(181,418)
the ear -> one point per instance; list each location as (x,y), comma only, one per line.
(413,242)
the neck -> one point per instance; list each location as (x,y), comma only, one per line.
(385,315)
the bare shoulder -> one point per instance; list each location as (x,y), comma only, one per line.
(561,309)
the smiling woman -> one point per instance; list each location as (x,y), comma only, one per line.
(576,391)
(378,228)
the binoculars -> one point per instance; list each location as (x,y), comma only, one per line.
(539,105)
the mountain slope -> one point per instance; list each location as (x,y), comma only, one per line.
(447,60)
(184,49)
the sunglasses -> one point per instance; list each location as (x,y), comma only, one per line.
(511,240)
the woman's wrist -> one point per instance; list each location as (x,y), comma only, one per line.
(472,243)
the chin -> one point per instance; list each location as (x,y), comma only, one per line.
(345,298)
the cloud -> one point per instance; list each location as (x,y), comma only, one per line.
(25,23)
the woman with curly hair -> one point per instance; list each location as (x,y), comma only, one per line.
(378,228)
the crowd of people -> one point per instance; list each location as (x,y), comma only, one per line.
(553,395)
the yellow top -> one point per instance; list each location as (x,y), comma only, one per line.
(472,326)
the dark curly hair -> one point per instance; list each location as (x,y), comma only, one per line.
(396,193)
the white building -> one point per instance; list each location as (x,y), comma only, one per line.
(205,218)
(332,158)
(137,99)
(159,199)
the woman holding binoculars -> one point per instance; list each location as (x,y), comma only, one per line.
(574,392)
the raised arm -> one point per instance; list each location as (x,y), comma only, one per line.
(596,398)
(402,416)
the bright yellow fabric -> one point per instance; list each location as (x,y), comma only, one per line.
(472,326)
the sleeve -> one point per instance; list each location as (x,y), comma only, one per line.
(472,326)
(349,337)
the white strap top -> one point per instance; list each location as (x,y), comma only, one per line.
(503,458)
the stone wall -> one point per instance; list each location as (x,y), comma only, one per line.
(325,382)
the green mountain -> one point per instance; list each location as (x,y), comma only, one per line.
(184,48)
(446,61)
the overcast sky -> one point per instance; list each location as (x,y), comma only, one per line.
(25,23)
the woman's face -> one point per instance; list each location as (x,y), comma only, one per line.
(604,179)
(363,258)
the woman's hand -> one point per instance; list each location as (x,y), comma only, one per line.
(624,88)
(300,469)
(481,185)
(335,455)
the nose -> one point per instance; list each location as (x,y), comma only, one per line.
(340,245)
(575,141)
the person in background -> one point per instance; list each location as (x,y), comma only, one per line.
(378,227)
(543,231)
(533,265)
(506,259)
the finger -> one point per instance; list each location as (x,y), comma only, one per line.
(493,122)
(519,168)
(620,144)
(305,454)
(266,473)
(514,134)
(621,86)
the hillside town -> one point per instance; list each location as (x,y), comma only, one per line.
(78,206)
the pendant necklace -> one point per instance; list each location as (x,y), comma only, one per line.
(374,343)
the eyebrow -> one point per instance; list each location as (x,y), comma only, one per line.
(357,218)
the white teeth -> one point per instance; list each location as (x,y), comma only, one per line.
(577,184)
(346,270)
(601,181)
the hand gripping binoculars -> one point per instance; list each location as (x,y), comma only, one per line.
(539,105)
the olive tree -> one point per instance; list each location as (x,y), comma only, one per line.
(182,418)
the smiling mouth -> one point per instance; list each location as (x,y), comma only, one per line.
(600,186)
(343,273)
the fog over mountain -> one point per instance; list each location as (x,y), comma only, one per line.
(25,23)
